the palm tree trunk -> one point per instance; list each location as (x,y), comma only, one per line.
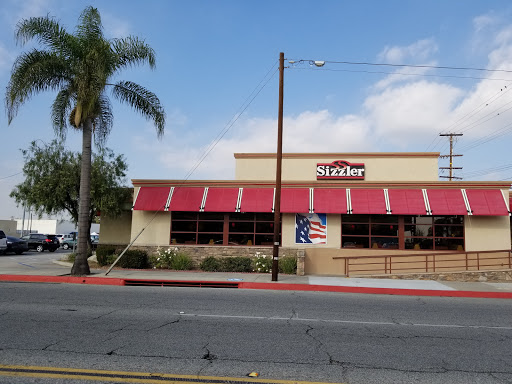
(80,266)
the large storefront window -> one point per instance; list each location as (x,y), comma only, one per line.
(434,232)
(369,231)
(222,228)
(403,232)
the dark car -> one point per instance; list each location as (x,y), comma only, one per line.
(16,245)
(41,242)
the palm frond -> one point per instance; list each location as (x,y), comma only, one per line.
(104,120)
(47,31)
(90,27)
(132,51)
(143,101)
(61,110)
(33,72)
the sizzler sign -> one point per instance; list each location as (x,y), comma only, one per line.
(340,169)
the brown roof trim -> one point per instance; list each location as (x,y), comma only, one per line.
(335,155)
(324,184)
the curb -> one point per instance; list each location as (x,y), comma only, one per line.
(266,286)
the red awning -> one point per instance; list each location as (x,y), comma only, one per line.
(330,200)
(488,202)
(368,201)
(257,200)
(152,198)
(407,202)
(446,202)
(295,200)
(186,199)
(221,200)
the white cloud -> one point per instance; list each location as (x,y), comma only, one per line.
(318,131)
(483,21)
(403,114)
(418,52)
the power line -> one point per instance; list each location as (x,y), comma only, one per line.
(6,177)
(400,73)
(435,142)
(413,66)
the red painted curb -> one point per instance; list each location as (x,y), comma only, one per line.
(269,286)
(63,279)
(376,291)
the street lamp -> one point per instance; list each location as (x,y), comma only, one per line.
(279,156)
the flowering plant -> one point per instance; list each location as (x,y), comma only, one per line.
(164,258)
(262,263)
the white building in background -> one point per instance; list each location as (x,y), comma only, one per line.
(49,226)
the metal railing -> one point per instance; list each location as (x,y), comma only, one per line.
(427,262)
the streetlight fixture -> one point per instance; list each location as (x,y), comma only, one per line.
(279,156)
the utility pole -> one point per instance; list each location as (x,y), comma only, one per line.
(451,156)
(277,202)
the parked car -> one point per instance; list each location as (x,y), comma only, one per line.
(16,245)
(41,242)
(63,237)
(70,243)
(3,242)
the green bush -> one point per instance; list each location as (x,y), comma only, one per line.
(210,264)
(237,264)
(134,259)
(181,262)
(288,265)
(105,254)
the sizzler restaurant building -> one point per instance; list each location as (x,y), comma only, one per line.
(333,206)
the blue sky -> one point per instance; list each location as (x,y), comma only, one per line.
(211,55)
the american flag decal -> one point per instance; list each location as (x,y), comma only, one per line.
(311,228)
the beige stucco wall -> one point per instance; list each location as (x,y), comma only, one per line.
(486,233)
(116,231)
(384,168)
(158,231)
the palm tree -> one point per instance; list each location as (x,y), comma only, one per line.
(79,67)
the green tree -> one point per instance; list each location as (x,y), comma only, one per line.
(52,182)
(79,67)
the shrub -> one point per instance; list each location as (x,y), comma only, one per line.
(237,264)
(262,263)
(181,262)
(134,259)
(171,258)
(105,254)
(288,265)
(210,264)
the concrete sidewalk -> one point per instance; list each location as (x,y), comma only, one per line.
(58,272)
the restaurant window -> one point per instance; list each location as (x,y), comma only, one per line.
(402,232)
(369,231)
(222,228)
(434,232)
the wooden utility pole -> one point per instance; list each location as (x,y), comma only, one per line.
(451,156)
(277,202)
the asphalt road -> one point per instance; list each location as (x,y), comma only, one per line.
(309,336)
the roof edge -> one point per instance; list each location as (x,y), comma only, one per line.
(335,154)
